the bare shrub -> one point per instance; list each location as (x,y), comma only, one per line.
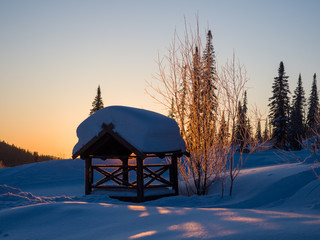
(205,107)
(232,86)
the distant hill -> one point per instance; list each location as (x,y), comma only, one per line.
(11,156)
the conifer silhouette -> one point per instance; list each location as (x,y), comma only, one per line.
(313,110)
(297,128)
(279,108)
(97,103)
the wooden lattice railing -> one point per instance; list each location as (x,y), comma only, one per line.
(120,176)
(144,176)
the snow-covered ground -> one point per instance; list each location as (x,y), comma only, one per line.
(276,196)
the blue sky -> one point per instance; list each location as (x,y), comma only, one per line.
(54,54)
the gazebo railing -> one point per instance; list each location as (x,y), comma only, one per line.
(143,176)
(120,176)
(117,176)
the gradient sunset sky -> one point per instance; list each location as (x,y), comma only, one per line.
(54,54)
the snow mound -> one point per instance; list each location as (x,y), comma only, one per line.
(14,197)
(147,131)
(82,221)
(272,199)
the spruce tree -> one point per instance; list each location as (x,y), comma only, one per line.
(97,103)
(208,86)
(245,103)
(279,108)
(242,131)
(258,133)
(238,131)
(249,134)
(223,131)
(313,110)
(209,74)
(202,106)
(171,113)
(265,133)
(297,129)
(203,77)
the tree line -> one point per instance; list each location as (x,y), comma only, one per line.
(11,156)
(210,106)
(290,122)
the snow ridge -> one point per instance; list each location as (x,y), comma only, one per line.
(15,197)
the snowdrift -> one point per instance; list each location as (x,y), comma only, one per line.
(275,197)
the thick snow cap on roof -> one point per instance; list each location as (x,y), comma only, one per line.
(147,131)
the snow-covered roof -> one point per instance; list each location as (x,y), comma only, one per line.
(147,131)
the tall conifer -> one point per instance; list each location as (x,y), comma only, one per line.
(97,103)
(313,110)
(258,133)
(171,113)
(266,130)
(297,128)
(279,108)
(243,127)
(209,73)
(223,130)
(209,86)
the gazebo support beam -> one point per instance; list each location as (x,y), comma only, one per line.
(140,184)
(174,174)
(125,170)
(88,175)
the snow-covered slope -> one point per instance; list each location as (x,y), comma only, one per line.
(275,197)
(82,220)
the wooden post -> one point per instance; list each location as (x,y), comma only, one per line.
(91,173)
(140,187)
(125,173)
(174,174)
(88,175)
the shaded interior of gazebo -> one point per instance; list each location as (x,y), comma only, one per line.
(132,179)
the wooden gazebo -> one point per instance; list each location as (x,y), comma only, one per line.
(133,179)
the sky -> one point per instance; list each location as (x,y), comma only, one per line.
(54,54)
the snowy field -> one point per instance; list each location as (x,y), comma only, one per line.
(276,196)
